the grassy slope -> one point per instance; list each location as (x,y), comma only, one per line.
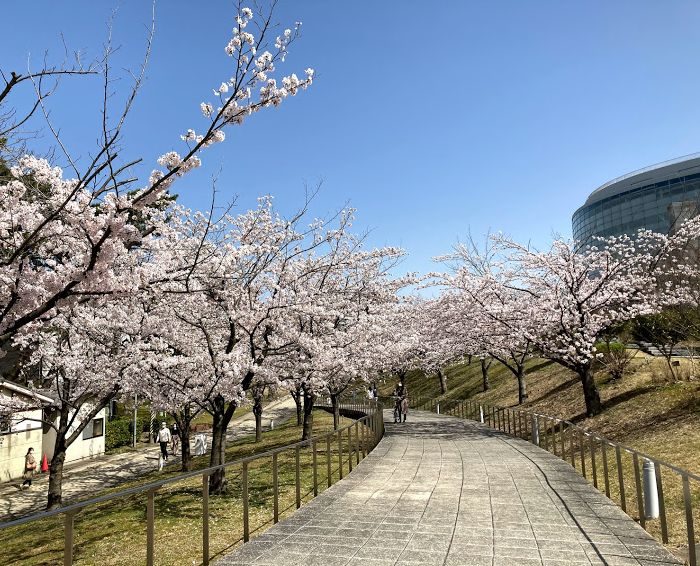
(641,410)
(114,533)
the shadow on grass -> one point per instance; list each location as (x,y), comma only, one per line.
(555,391)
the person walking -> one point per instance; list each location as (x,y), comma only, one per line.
(164,438)
(400,396)
(175,433)
(29,468)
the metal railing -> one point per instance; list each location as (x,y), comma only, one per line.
(354,442)
(587,452)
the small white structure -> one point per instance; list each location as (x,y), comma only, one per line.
(24,430)
(19,433)
(200,445)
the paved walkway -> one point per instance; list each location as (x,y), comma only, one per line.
(86,478)
(442,491)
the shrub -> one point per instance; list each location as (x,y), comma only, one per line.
(614,357)
(118,432)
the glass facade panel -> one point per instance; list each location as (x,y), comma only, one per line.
(647,207)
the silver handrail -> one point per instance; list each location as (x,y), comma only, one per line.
(372,420)
(587,441)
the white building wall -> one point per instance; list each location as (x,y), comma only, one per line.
(81,448)
(24,434)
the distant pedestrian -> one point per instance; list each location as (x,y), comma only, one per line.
(29,468)
(175,433)
(164,438)
(374,392)
(400,396)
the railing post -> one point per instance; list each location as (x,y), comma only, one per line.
(340,455)
(315,465)
(545,434)
(594,471)
(519,426)
(620,478)
(275,491)
(350,449)
(246,525)
(662,504)
(562,439)
(581,443)
(572,441)
(554,438)
(357,442)
(297,476)
(205,519)
(329,472)
(604,454)
(364,437)
(69,522)
(638,485)
(535,426)
(150,527)
(481,414)
(690,528)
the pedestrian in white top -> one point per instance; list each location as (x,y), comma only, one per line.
(164,438)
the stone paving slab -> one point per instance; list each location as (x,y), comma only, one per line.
(441,491)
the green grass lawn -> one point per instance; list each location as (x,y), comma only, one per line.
(114,533)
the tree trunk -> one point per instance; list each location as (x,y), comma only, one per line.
(308,428)
(221,417)
(594,406)
(183,419)
(485,374)
(667,356)
(56,472)
(258,412)
(186,465)
(296,395)
(336,411)
(522,385)
(443,381)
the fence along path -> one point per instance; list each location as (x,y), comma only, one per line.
(441,490)
(332,453)
(611,467)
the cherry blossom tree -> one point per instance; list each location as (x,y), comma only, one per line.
(84,359)
(59,233)
(568,295)
(72,245)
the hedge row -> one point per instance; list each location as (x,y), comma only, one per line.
(118,432)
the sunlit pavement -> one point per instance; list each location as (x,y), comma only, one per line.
(438,490)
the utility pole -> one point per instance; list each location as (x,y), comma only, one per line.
(136,406)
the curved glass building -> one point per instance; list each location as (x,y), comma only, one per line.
(657,198)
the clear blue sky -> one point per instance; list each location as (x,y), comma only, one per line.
(430,118)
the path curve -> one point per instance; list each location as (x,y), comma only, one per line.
(443,491)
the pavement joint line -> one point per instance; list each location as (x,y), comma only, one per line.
(444,491)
